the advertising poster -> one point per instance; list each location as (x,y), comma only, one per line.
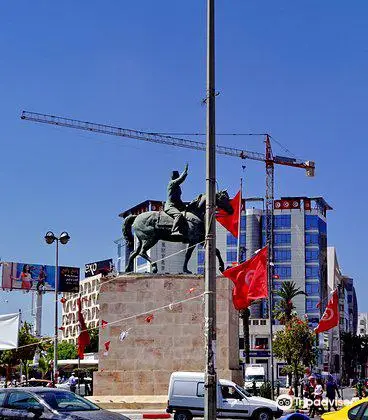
(69,279)
(99,267)
(24,276)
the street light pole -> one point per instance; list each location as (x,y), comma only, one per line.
(56,310)
(63,239)
(210,403)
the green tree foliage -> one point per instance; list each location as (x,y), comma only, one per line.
(27,346)
(295,345)
(355,351)
(93,345)
(66,351)
(284,309)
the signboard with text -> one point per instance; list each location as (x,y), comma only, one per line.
(99,267)
(69,279)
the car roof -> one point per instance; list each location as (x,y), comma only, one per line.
(35,389)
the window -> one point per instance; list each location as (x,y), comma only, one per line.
(231,256)
(200,389)
(231,240)
(243,222)
(283,271)
(311,238)
(200,258)
(311,222)
(282,238)
(312,272)
(311,305)
(312,255)
(262,322)
(282,255)
(282,221)
(312,288)
(21,400)
(255,322)
(261,343)
(353,413)
(2,398)
(141,261)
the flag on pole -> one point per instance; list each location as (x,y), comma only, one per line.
(231,221)
(330,318)
(83,338)
(250,280)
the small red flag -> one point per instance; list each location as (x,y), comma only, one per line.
(104,323)
(149,318)
(330,318)
(250,279)
(83,338)
(63,300)
(231,221)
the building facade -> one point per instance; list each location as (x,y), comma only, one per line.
(362,328)
(89,289)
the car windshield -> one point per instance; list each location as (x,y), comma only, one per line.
(67,401)
(254,378)
(243,391)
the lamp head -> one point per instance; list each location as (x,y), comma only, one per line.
(64,238)
(49,237)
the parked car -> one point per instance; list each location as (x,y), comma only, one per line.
(358,410)
(51,404)
(186,399)
(36,382)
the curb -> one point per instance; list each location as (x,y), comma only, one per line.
(157,416)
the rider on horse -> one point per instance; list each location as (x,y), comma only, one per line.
(174,204)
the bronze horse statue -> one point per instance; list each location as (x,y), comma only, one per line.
(152,226)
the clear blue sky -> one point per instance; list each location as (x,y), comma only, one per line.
(297,70)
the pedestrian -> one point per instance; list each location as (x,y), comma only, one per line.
(72,382)
(318,394)
(331,391)
(311,396)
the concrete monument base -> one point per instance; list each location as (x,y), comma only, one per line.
(171,340)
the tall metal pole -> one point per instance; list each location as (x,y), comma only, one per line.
(56,310)
(210,405)
(269,237)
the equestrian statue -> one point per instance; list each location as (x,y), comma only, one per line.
(179,222)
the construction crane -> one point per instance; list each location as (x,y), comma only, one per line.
(269,159)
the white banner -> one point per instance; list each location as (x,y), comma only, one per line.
(9,328)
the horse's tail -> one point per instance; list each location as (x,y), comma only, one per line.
(127,230)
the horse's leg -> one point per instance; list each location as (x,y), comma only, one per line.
(188,254)
(133,254)
(146,246)
(220,260)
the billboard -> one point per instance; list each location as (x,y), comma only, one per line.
(23,276)
(27,277)
(69,279)
(99,267)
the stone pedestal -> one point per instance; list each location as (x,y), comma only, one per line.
(172,341)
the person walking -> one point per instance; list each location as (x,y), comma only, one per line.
(72,382)
(318,396)
(331,391)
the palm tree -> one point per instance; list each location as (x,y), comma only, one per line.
(284,309)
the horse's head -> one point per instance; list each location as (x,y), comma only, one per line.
(223,201)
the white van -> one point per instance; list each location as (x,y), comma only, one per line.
(254,373)
(186,399)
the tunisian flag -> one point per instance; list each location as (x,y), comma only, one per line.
(231,221)
(331,315)
(83,338)
(250,279)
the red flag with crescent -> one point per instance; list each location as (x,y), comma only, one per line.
(250,280)
(231,221)
(330,318)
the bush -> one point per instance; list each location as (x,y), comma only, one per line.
(265,390)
